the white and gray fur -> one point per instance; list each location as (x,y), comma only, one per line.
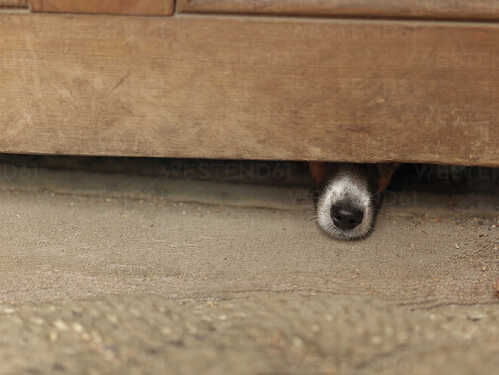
(352,185)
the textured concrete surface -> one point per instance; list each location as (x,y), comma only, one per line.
(114,274)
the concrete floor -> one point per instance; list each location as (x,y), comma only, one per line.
(118,274)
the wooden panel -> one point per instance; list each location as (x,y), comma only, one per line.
(131,7)
(13,3)
(451,9)
(251,88)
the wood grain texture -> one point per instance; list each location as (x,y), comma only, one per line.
(447,9)
(130,7)
(250,88)
(13,3)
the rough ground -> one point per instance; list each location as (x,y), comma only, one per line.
(117,274)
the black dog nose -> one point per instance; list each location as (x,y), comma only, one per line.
(345,216)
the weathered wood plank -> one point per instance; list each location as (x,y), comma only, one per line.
(13,3)
(447,9)
(130,7)
(250,88)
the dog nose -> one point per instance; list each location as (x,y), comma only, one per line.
(346,217)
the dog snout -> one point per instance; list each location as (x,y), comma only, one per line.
(346,216)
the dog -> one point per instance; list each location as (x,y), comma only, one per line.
(348,196)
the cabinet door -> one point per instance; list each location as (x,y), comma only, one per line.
(432,9)
(130,7)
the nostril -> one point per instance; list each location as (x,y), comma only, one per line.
(345,216)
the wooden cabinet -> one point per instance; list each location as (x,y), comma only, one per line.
(251,87)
